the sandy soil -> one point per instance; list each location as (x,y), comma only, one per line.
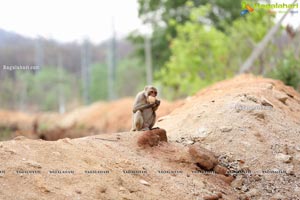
(251,124)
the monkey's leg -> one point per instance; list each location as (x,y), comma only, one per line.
(152,120)
(137,121)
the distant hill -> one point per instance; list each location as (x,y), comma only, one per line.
(16,49)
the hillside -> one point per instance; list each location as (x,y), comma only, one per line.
(251,124)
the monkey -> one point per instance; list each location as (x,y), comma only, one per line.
(144,108)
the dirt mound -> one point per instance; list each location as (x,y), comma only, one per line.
(88,168)
(254,124)
(237,139)
(100,117)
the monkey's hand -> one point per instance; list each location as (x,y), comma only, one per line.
(157,102)
(156,105)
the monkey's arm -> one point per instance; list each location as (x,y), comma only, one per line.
(143,107)
(156,105)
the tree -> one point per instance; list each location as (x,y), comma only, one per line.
(201,54)
(162,14)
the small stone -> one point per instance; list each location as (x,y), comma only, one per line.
(21,137)
(253,192)
(245,188)
(238,183)
(211,197)
(269,86)
(282,97)
(122,189)
(220,169)
(66,140)
(283,157)
(226,128)
(78,191)
(277,196)
(144,182)
(203,157)
(297,157)
(290,170)
(11,151)
(189,142)
(33,164)
(266,102)
(102,189)
(203,132)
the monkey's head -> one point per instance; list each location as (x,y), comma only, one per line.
(150,93)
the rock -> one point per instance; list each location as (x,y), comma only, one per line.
(277,196)
(161,133)
(203,132)
(283,157)
(34,164)
(21,137)
(148,139)
(11,151)
(226,179)
(266,102)
(66,140)
(297,157)
(203,157)
(144,182)
(282,97)
(102,189)
(253,192)
(269,86)
(189,142)
(122,189)
(152,138)
(238,182)
(211,197)
(220,169)
(78,191)
(245,188)
(251,98)
(290,170)
(226,128)
(44,189)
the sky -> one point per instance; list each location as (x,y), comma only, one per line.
(69,20)
(74,20)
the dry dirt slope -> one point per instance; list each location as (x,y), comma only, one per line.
(251,119)
(251,123)
(117,153)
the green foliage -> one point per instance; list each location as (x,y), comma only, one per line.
(5,133)
(46,86)
(199,55)
(163,14)
(288,70)
(98,85)
(130,77)
(202,54)
(244,33)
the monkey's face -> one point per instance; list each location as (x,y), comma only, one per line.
(151,99)
(151,94)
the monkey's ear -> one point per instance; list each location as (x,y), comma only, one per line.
(146,87)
